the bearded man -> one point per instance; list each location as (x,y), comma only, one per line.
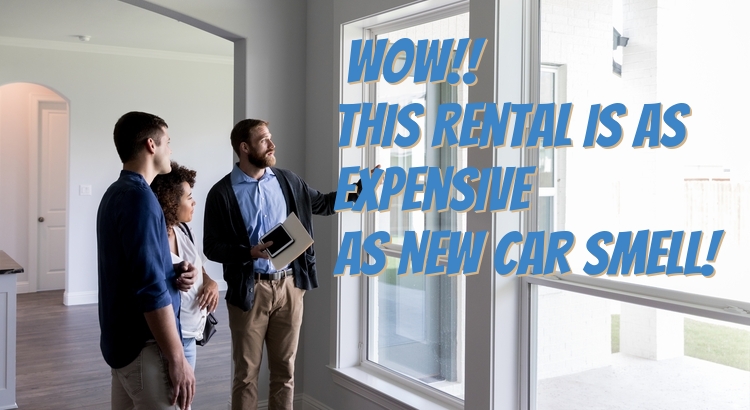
(264,301)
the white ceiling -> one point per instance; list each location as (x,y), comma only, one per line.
(108,22)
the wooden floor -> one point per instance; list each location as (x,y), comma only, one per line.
(59,364)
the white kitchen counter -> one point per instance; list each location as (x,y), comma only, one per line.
(8,269)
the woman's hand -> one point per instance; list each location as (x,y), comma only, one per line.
(186,275)
(208,296)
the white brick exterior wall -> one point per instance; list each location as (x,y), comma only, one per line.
(573,333)
(651,333)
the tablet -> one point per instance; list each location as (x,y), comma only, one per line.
(280,238)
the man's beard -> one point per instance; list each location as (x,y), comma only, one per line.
(261,161)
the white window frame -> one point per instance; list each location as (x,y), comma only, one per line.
(350,367)
(557,191)
(681,302)
(394,250)
(492,362)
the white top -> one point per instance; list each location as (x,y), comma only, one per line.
(192,319)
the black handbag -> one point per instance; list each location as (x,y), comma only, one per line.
(211,322)
(208,330)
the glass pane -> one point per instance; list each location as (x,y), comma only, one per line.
(547,88)
(547,155)
(546,220)
(394,221)
(416,328)
(415,323)
(594,353)
(430,96)
(546,167)
(702,185)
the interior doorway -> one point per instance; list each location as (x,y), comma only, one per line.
(34,135)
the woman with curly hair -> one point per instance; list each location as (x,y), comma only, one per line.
(174,191)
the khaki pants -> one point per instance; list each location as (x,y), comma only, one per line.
(275,318)
(144,383)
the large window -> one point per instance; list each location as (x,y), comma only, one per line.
(415,322)
(637,332)
(574,328)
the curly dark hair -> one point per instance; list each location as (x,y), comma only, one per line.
(168,190)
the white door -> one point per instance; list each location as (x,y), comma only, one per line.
(53,185)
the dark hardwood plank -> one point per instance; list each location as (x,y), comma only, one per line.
(59,364)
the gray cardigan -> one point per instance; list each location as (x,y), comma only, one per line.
(225,238)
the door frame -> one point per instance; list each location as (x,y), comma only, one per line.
(33,270)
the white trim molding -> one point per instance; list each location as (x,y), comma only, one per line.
(115,50)
(391,395)
(305,402)
(22,287)
(301,402)
(726,310)
(80,298)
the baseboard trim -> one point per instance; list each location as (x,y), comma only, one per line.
(80,298)
(310,403)
(22,287)
(301,402)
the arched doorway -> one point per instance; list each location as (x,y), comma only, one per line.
(34,143)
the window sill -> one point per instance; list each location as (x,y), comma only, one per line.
(385,392)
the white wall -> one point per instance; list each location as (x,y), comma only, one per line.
(195,98)
(573,333)
(15,212)
(269,62)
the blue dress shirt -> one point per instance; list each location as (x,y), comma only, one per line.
(135,267)
(262,206)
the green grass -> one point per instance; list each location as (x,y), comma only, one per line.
(615,333)
(706,341)
(716,343)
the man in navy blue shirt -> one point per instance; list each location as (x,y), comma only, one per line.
(139,297)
